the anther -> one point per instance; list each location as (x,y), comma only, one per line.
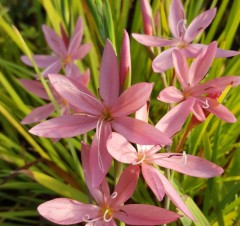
(206,104)
(114,195)
(87,218)
(184,158)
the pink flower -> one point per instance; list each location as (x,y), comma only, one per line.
(66,51)
(182,37)
(46,110)
(205,95)
(147,156)
(111,112)
(108,207)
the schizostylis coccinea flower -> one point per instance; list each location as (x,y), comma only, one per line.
(110,112)
(182,37)
(108,208)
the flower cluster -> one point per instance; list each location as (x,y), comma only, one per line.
(120,136)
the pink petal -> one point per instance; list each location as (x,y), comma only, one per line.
(131,99)
(163,61)
(100,194)
(38,114)
(67,211)
(125,60)
(153,180)
(72,70)
(83,78)
(176,15)
(146,17)
(76,94)
(126,186)
(188,164)
(142,113)
(173,121)
(34,87)
(81,52)
(142,214)
(153,41)
(54,41)
(65,126)
(53,68)
(174,196)
(120,149)
(76,36)
(109,75)
(199,24)
(170,95)
(192,50)
(139,132)
(198,111)
(220,111)
(202,63)
(42,61)
(100,159)
(226,53)
(217,85)
(64,35)
(181,67)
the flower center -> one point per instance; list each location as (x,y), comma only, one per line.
(67,59)
(140,159)
(181,45)
(108,215)
(106,115)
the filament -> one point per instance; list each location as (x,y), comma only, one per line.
(105,216)
(99,128)
(184,23)
(141,160)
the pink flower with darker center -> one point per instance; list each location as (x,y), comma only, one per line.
(108,207)
(183,36)
(66,50)
(204,94)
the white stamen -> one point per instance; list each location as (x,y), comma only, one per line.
(184,158)
(105,216)
(206,104)
(184,23)
(114,195)
(87,219)
(99,127)
(141,160)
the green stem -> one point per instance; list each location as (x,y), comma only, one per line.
(118,168)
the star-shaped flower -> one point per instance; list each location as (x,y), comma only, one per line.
(107,114)
(108,207)
(147,156)
(66,51)
(205,95)
(182,37)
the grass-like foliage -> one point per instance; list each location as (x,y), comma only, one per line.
(139,97)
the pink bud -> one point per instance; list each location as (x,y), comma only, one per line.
(147,17)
